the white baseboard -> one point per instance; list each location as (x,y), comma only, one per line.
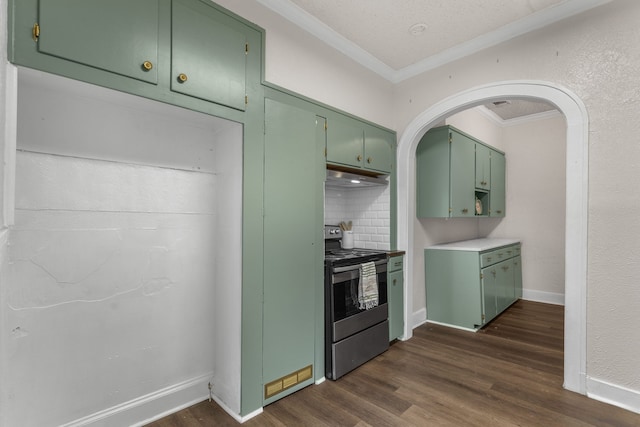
(613,394)
(151,407)
(419,317)
(541,296)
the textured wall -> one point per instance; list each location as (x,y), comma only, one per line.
(595,55)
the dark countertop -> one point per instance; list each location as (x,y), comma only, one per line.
(395,253)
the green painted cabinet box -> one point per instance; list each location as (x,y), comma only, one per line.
(469,283)
(292,303)
(119,36)
(457,176)
(355,144)
(395,297)
(178,47)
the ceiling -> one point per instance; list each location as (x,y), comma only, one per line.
(399,39)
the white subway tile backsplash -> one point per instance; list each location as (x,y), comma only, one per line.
(367,208)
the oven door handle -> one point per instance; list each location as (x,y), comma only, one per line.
(357,267)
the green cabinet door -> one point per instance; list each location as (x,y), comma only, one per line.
(462,172)
(505,290)
(395,297)
(291,221)
(497,197)
(454,290)
(120,36)
(432,174)
(208,54)
(379,146)
(345,139)
(483,167)
(517,277)
(489,280)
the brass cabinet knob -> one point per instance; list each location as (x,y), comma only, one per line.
(369,159)
(359,158)
(147,66)
(182,78)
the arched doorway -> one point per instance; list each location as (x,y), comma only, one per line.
(576,201)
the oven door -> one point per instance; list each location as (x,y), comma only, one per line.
(346,318)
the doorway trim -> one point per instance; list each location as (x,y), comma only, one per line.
(577,184)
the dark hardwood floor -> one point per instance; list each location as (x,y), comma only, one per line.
(507,374)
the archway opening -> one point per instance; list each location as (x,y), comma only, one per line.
(576,202)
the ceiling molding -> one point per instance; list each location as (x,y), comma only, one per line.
(496,119)
(319,29)
(532,22)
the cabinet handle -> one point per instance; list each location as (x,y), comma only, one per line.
(465,210)
(359,158)
(182,78)
(488,259)
(394,282)
(499,211)
(505,268)
(147,66)
(369,159)
(35,32)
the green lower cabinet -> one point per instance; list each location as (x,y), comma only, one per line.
(291,258)
(470,283)
(395,297)
(517,276)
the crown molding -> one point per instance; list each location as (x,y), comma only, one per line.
(535,21)
(499,121)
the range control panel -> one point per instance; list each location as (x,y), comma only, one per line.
(332,232)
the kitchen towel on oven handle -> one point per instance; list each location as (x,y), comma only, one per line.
(368,286)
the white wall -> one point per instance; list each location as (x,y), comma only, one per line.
(594,55)
(123,271)
(536,184)
(303,64)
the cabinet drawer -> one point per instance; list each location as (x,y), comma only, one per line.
(497,255)
(492,257)
(395,263)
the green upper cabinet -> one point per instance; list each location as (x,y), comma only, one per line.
(355,144)
(190,53)
(458,176)
(208,54)
(119,36)
(445,168)
(379,146)
(483,167)
(462,160)
(345,142)
(498,186)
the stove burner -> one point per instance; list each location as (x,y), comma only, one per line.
(352,254)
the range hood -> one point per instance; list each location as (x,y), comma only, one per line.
(353,178)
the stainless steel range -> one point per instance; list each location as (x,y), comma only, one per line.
(353,335)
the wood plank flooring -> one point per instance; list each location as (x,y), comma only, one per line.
(507,374)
